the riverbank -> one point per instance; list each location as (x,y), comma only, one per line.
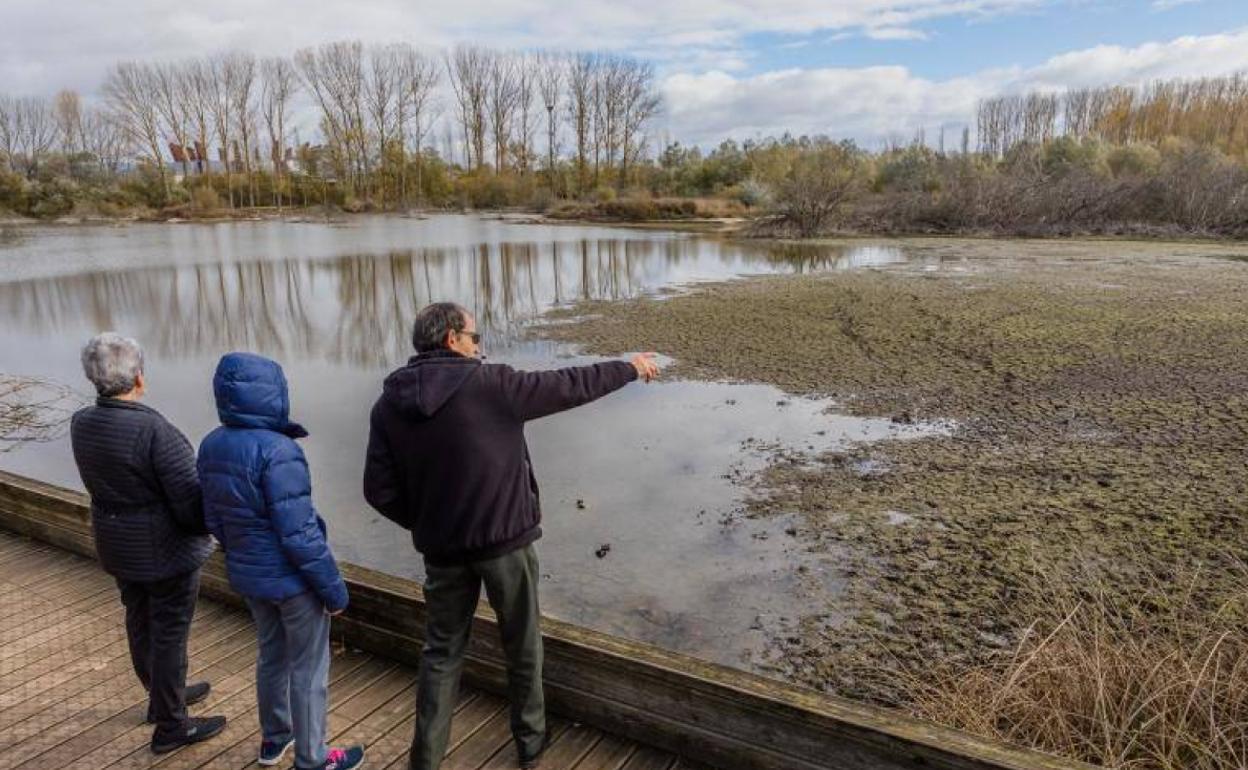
(1099,393)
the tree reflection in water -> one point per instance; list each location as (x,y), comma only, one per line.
(357,309)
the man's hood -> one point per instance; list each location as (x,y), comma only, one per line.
(428,381)
(251,392)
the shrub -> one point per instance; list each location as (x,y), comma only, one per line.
(820,182)
(52,199)
(205,199)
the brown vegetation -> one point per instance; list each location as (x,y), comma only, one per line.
(34,410)
(1153,681)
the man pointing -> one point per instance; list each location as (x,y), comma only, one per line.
(447,460)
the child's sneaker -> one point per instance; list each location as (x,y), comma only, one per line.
(271,752)
(343,759)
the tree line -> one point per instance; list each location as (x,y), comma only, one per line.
(1209,111)
(568,134)
(572,122)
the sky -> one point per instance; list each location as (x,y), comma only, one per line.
(869,70)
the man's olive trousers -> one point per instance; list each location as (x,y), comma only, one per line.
(451,594)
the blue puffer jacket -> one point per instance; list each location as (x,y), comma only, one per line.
(258,492)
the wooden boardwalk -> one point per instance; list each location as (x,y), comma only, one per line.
(69,699)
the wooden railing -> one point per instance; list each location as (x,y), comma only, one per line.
(715,714)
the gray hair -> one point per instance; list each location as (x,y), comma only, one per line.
(434,322)
(112,363)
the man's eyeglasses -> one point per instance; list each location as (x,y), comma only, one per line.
(475,336)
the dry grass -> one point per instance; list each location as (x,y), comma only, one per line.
(1161,682)
(34,410)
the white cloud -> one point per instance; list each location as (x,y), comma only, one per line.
(895,33)
(873,103)
(42,49)
(700,46)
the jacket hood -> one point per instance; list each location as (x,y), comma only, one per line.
(251,392)
(428,381)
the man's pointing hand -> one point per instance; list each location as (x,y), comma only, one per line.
(647,368)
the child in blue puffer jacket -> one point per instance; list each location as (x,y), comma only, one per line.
(258,503)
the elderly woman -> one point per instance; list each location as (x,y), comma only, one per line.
(149,532)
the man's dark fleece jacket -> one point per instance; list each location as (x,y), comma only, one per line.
(447,457)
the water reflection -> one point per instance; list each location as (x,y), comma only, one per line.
(334,305)
(356,309)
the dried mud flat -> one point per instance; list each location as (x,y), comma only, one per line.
(1100,393)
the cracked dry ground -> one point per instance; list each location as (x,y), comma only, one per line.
(1100,392)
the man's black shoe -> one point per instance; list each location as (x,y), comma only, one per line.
(197,729)
(194,694)
(534,760)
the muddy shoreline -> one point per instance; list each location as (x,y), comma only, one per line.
(1100,394)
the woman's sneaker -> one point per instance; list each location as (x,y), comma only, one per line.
(271,752)
(343,759)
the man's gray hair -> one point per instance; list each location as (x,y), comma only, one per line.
(112,363)
(434,322)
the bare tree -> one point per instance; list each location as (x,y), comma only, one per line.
(639,104)
(468,69)
(67,109)
(36,131)
(383,88)
(278,84)
(8,130)
(334,75)
(243,110)
(526,82)
(223,74)
(550,85)
(104,139)
(419,80)
(196,96)
(580,82)
(170,103)
(501,97)
(131,93)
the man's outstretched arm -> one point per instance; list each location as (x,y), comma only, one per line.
(538,394)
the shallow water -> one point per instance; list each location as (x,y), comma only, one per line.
(654,472)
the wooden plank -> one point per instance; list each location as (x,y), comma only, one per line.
(123,723)
(39,613)
(388,740)
(610,753)
(476,733)
(62,632)
(22,560)
(646,758)
(19,560)
(42,568)
(351,710)
(36,613)
(570,747)
(60,721)
(86,666)
(84,579)
(95,657)
(231,677)
(392,715)
(505,758)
